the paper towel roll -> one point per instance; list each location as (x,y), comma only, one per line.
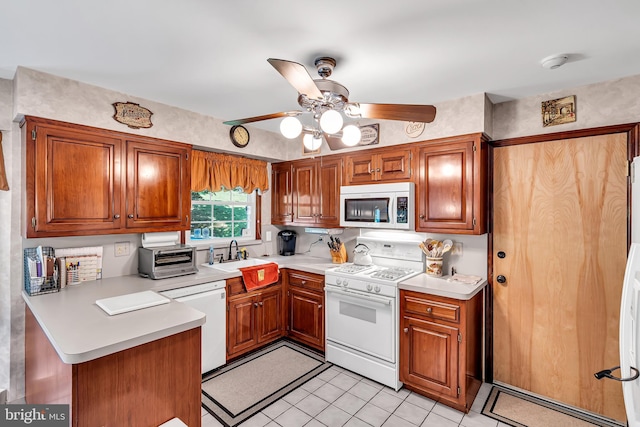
(154,240)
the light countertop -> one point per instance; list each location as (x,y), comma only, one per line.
(80,331)
(440,286)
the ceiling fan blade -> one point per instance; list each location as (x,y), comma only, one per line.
(260,118)
(405,112)
(297,76)
(334,142)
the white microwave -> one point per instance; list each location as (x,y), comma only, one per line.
(378,206)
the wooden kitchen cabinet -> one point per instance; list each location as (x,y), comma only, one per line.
(253,318)
(84,181)
(451,193)
(316,191)
(281,193)
(379,165)
(305,313)
(440,347)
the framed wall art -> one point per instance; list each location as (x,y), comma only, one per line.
(559,111)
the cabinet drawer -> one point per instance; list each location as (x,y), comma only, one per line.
(306,280)
(431,309)
(235,286)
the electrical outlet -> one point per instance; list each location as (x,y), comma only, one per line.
(456,249)
(121,249)
(3,397)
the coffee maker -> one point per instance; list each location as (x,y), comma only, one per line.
(287,242)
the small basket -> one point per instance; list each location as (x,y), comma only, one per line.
(40,285)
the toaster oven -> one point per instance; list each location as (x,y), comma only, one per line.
(167,261)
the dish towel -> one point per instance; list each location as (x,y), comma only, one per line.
(462,278)
(259,276)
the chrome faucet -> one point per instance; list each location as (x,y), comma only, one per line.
(231,244)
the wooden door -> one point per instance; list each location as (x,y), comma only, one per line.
(158,186)
(281,207)
(560,221)
(394,165)
(73,181)
(445,199)
(241,325)
(329,182)
(306,317)
(269,312)
(304,192)
(431,355)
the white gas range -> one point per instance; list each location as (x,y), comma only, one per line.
(361,316)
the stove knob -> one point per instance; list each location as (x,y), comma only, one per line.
(377,288)
(338,282)
(369,287)
(345,283)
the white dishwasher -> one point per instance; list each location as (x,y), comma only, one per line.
(209,298)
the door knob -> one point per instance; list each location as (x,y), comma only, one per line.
(501,279)
(501,254)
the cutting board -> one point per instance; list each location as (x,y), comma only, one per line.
(131,302)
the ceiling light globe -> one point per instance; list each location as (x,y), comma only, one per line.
(311,143)
(351,135)
(290,127)
(331,121)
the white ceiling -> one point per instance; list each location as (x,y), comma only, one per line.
(210,56)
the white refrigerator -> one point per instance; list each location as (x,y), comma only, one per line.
(630,310)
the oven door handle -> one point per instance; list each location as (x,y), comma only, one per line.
(357,295)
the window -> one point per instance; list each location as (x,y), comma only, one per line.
(223,215)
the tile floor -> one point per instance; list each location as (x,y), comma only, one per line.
(338,397)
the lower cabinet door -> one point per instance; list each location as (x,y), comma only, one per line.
(269,312)
(241,332)
(306,317)
(429,355)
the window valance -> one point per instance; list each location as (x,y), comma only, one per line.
(4,184)
(216,171)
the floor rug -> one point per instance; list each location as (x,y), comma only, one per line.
(242,388)
(521,410)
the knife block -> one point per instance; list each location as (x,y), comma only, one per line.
(340,256)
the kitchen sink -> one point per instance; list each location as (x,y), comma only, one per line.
(235,265)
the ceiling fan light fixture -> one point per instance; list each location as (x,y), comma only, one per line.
(351,135)
(290,127)
(331,121)
(311,142)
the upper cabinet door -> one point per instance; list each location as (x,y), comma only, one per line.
(305,189)
(329,182)
(379,165)
(72,180)
(361,168)
(158,185)
(281,193)
(452,187)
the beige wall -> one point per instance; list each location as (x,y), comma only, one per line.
(601,104)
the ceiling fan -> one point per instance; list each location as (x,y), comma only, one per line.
(326,99)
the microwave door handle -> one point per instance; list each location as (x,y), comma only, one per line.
(392,210)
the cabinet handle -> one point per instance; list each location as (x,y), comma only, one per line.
(421,216)
(130,215)
(429,309)
(378,170)
(406,330)
(319,306)
(260,303)
(116,216)
(304,282)
(255,304)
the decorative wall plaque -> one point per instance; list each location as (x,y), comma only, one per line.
(132,115)
(370,134)
(559,111)
(414,129)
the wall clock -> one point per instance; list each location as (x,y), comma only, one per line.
(239,136)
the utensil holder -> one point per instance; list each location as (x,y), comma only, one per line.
(434,266)
(339,256)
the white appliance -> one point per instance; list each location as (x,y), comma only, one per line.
(378,206)
(209,298)
(362,308)
(630,314)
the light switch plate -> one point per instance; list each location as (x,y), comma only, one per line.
(121,249)
(267,236)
